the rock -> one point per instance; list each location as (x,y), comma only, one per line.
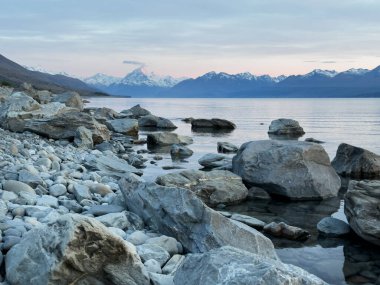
(285,231)
(357,163)
(187,120)
(151,121)
(292,169)
(216,124)
(228,265)
(82,192)
(177,212)
(70,99)
(9,242)
(179,151)
(100,189)
(213,187)
(161,279)
(332,227)
(45,162)
(166,139)
(17,187)
(257,193)
(71,205)
(173,264)
(226,147)
(153,266)
(3,209)
(313,140)
(100,210)
(124,126)
(137,238)
(213,160)
(286,127)
(167,243)
(362,209)
(137,111)
(152,251)
(124,220)
(83,138)
(29,178)
(250,221)
(104,114)
(57,190)
(74,250)
(47,201)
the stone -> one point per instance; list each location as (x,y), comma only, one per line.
(82,192)
(124,126)
(180,152)
(100,210)
(83,138)
(71,205)
(226,147)
(167,243)
(214,160)
(70,99)
(357,163)
(29,178)
(45,162)
(124,220)
(117,232)
(216,124)
(313,140)
(291,169)
(287,127)
(332,227)
(153,266)
(47,201)
(57,190)
(173,264)
(213,187)
(153,251)
(257,193)
(362,209)
(167,139)
(3,209)
(137,111)
(9,242)
(285,231)
(151,121)
(161,279)
(101,189)
(228,265)
(250,221)
(17,187)
(137,238)
(179,213)
(74,250)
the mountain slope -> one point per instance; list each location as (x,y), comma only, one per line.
(15,74)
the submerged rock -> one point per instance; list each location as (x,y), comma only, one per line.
(74,250)
(177,212)
(296,170)
(229,265)
(356,162)
(362,208)
(286,127)
(214,187)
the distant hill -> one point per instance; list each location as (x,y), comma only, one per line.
(14,74)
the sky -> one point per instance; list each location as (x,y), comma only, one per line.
(191,37)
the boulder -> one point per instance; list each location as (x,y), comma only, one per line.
(357,163)
(124,126)
(74,250)
(70,99)
(151,121)
(362,209)
(229,265)
(216,124)
(287,127)
(179,152)
(137,111)
(226,147)
(292,169)
(213,187)
(104,114)
(83,138)
(332,227)
(167,139)
(179,213)
(214,160)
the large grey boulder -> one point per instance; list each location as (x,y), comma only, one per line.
(70,99)
(216,124)
(166,139)
(229,265)
(137,112)
(104,114)
(179,213)
(296,170)
(213,187)
(362,209)
(83,138)
(287,127)
(355,162)
(124,126)
(215,160)
(151,121)
(74,250)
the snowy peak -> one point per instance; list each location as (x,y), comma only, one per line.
(101,79)
(140,77)
(241,76)
(37,69)
(320,72)
(355,71)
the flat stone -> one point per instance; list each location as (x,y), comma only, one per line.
(250,221)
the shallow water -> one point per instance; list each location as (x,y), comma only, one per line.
(353,121)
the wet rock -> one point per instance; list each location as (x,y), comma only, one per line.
(296,170)
(228,265)
(213,160)
(286,231)
(177,212)
(362,209)
(151,121)
(285,127)
(166,139)
(216,124)
(226,147)
(124,126)
(75,249)
(180,151)
(355,162)
(214,187)
(332,227)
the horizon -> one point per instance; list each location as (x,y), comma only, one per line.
(190,39)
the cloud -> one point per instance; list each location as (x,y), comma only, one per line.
(134,62)
(328,61)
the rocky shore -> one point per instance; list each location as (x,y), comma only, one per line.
(75,210)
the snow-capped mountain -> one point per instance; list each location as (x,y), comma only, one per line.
(140,77)
(240,76)
(38,69)
(320,72)
(102,79)
(356,71)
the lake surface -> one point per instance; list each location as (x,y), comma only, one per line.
(353,121)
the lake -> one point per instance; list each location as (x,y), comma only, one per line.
(353,121)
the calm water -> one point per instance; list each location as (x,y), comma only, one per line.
(353,121)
